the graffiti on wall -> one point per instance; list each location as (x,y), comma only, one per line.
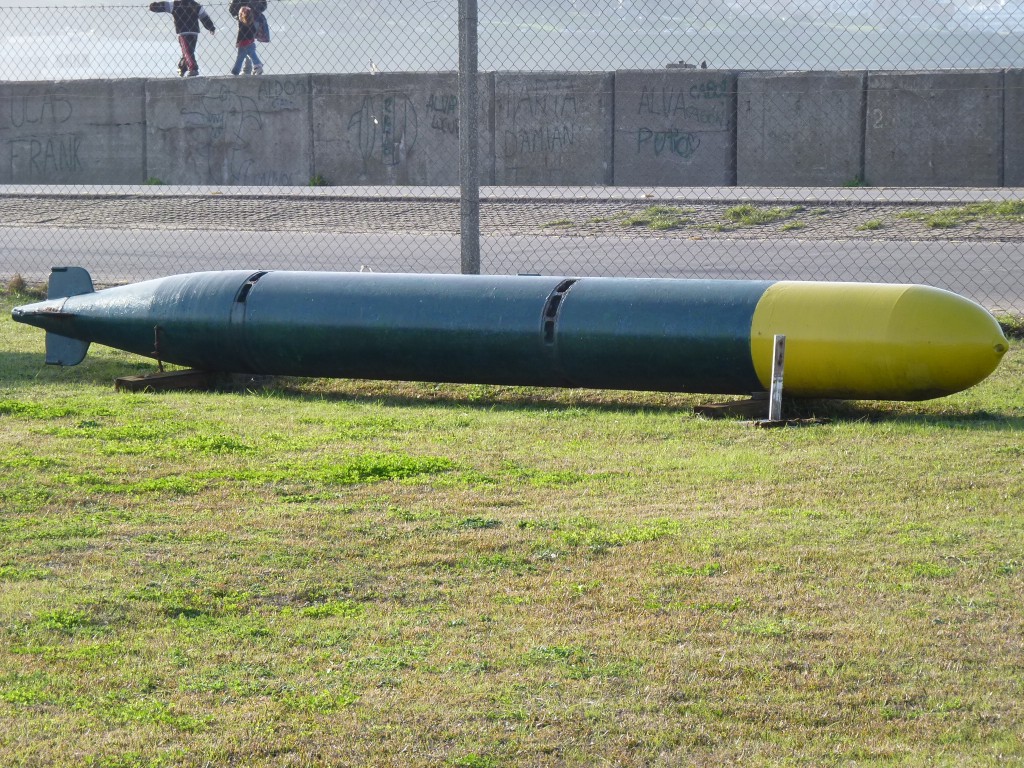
(39,145)
(540,122)
(384,128)
(233,135)
(553,130)
(672,118)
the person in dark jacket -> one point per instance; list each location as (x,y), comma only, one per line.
(246,42)
(188,14)
(260,21)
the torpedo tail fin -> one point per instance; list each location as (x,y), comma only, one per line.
(64,282)
(68,281)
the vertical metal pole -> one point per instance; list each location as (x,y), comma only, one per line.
(778,363)
(469,173)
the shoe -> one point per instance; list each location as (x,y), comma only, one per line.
(193,73)
(257,70)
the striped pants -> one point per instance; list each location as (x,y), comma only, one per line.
(187,63)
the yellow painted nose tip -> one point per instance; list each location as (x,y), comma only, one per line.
(869,341)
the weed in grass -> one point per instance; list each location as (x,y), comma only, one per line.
(558,223)
(496,563)
(659,217)
(66,621)
(708,569)
(1007,210)
(16,285)
(931,571)
(872,225)
(592,535)
(319,702)
(1010,567)
(567,656)
(22,573)
(35,411)
(1012,325)
(474,760)
(477,523)
(793,226)
(336,608)
(766,627)
(751,215)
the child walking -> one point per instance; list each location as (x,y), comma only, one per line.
(187,16)
(246,42)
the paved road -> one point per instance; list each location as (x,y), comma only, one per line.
(990,273)
(849,236)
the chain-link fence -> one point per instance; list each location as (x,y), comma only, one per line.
(845,139)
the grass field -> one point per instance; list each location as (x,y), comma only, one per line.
(337,573)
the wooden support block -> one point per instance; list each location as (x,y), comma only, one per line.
(165,382)
(756,406)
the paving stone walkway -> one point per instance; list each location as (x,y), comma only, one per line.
(821,220)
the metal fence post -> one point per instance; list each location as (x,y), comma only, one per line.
(469,174)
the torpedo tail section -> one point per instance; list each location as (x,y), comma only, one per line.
(65,282)
(51,315)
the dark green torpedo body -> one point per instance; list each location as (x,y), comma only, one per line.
(710,336)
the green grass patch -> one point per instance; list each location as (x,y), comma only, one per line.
(659,217)
(395,573)
(752,215)
(945,218)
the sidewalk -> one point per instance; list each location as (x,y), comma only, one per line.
(803,214)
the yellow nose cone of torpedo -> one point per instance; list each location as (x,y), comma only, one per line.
(874,342)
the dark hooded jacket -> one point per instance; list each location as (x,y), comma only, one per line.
(187,15)
(258,6)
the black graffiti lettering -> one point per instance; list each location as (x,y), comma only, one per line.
(386,127)
(55,154)
(445,103)
(445,124)
(542,140)
(713,89)
(666,102)
(541,104)
(682,144)
(278,89)
(31,111)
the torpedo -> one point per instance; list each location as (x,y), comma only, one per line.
(844,340)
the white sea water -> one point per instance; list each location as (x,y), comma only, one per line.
(96,39)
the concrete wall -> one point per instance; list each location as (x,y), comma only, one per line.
(81,132)
(934,129)
(675,128)
(396,128)
(630,128)
(800,129)
(553,128)
(1013,128)
(250,130)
